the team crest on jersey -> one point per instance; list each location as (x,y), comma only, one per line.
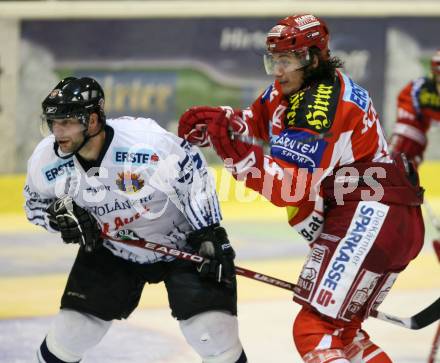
(314,108)
(129,182)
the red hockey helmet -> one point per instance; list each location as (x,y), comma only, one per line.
(298,32)
(435,63)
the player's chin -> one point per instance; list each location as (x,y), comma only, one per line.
(65,146)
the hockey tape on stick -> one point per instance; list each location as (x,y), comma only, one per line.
(418,321)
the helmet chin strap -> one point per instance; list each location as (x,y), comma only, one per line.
(86,139)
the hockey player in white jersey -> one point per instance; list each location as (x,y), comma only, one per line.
(129,178)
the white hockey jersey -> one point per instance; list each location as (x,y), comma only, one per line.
(150,184)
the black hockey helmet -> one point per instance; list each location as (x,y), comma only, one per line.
(74,98)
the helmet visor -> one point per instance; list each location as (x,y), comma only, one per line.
(62,128)
(276,63)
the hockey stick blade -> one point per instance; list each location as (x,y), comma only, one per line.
(421,320)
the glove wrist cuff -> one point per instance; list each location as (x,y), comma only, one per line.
(243,166)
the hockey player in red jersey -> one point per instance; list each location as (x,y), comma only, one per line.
(418,107)
(329,165)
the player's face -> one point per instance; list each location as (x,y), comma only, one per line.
(288,71)
(68,133)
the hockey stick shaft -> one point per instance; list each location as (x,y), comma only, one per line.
(157,247)
(418,321)
(169,251)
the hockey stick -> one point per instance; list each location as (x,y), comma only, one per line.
(421,320)
(418,321)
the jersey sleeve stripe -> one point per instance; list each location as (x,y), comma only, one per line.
(411,132)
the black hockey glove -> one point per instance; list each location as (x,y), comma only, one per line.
(212,243)
(75,223)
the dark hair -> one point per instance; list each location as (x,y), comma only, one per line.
(326,68)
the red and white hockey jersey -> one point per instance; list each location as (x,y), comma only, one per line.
(418,107)
(315,130)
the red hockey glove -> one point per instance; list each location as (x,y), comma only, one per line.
(230,138)
(194,122)
(413,150)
